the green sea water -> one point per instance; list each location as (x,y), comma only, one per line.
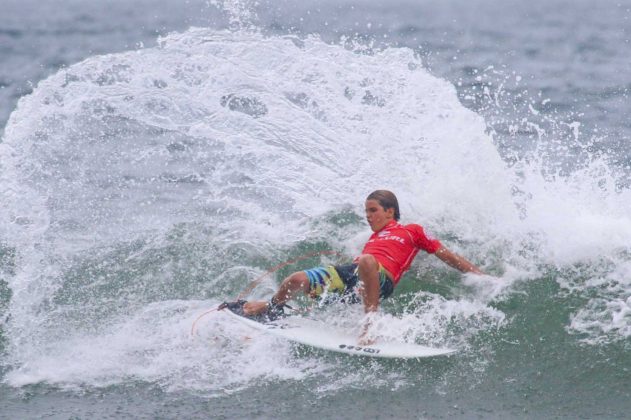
(140,189)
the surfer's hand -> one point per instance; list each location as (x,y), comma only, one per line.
(364,340)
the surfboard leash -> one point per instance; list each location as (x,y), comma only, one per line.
(200,317)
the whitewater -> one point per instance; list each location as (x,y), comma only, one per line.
(140,189)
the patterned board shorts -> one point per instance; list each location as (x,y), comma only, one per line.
(342,280)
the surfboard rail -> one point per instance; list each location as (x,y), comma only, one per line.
(312,333)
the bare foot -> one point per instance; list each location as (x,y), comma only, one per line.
(254,308)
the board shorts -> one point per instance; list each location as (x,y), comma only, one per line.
(342,280)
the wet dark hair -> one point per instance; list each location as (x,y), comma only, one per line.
(387,200)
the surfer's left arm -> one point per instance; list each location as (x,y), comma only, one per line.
(456,261)
(365,338)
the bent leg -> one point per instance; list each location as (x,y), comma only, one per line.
(290,288)
(368,268)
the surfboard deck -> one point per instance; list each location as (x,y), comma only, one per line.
(319,335)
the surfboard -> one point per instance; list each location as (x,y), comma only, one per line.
(319,335)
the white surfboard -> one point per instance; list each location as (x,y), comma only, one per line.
(319,335)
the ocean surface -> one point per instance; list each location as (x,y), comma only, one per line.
(157,156)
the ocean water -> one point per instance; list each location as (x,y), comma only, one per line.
(157,157)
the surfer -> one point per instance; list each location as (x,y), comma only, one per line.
(375,273)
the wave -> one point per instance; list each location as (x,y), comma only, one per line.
(136,184)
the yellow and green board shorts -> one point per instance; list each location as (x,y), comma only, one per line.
(343,279)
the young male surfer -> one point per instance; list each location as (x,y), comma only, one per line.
(386,256)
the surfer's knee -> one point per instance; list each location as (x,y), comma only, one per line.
(367,263)
(297,281)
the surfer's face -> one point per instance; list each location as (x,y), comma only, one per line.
(377,216)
